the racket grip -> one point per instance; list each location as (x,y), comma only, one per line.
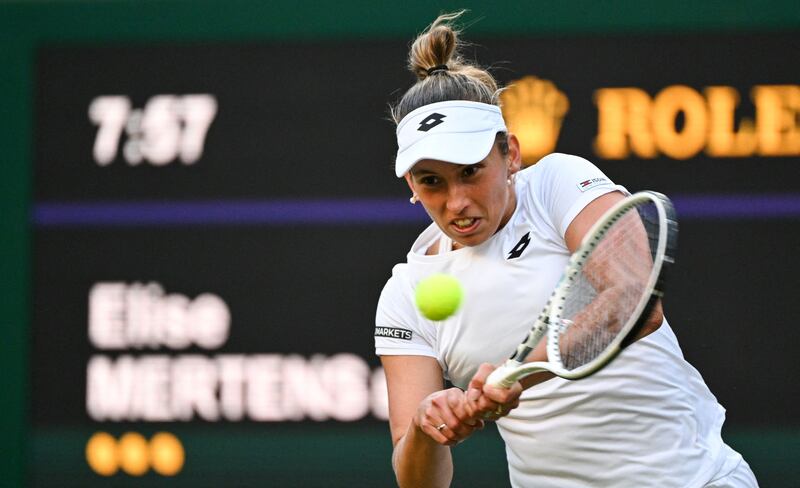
(505,375)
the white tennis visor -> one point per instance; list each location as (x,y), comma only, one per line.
(456,131)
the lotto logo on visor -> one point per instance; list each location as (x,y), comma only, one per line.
(431,121)
(456,131)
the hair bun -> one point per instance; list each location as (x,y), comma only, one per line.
(435,47)
(442,73)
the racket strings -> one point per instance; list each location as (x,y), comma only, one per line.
(605,293)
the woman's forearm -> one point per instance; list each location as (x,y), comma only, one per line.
(420,462)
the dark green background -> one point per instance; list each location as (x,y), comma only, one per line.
(25,25)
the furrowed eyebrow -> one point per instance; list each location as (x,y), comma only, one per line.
(416,172)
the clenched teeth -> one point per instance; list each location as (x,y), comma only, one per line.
(464,222)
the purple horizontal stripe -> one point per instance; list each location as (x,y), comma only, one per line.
(745,206)
(227,212)
(344,212)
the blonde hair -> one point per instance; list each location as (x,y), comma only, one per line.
(437,47)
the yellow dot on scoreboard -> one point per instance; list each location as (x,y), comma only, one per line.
(101,454)
(133,454)
(166,454)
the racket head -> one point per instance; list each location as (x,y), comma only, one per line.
(611,285)
(654,222)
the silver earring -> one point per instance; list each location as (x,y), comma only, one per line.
(414,199)
(508,182)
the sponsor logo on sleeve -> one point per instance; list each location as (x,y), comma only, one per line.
(393,333)
(591,183)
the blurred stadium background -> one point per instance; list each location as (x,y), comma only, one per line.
(199,212)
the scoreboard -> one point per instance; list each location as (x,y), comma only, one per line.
(213,224)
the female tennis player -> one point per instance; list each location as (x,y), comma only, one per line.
(647,419)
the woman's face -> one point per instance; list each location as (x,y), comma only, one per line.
(469,203)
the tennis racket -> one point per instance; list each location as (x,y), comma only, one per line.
(606,294)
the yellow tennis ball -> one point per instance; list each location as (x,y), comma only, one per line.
(438,296)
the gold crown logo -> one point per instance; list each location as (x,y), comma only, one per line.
(534,109)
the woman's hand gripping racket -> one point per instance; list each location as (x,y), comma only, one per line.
(606,294)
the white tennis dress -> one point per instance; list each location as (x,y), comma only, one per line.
(647,419)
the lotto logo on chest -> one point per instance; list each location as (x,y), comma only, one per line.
(520,247)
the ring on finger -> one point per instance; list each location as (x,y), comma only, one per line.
(441,427)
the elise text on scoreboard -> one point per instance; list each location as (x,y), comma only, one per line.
(157,387)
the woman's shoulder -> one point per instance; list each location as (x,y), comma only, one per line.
(554,162)
(549,174)
(396,289)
